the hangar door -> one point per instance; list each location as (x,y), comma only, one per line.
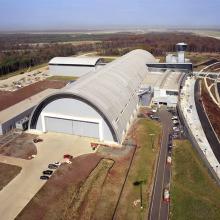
(81,128)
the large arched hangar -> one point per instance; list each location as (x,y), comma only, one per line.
(100,104)
(73,66)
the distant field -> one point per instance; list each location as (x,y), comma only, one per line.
(208,33)
(7,173)
(194,194)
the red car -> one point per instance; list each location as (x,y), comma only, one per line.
(166,195)
(67,156)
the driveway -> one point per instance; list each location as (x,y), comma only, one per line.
(16,195)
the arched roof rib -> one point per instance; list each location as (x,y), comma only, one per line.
(112,89)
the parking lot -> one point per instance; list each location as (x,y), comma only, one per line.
(25,185)
(19,81)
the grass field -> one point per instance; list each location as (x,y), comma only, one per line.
(63,78)
(7,173)
(141,171)
(194,194)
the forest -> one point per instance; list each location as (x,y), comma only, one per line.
(20,51)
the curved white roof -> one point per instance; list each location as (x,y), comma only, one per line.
(113,88)
(81,60)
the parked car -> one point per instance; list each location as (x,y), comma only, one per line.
(67,156)
(175,122)
(174,118)
(169,160)
(166,195)
(176,129)
(47,172)
(170,147)
(57,163)
(170,137)
(175,136)
(36,140)
(52,166)
(154,117)
(44,177)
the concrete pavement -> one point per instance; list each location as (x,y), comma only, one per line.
(14,161)
(16,195)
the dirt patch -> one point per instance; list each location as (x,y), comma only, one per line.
(212,110)
(72,183)
(7,173)
(8,99)
(21,147)
(53,199)
(84,201)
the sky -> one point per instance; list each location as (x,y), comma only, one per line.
(94,14)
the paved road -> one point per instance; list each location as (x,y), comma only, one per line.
(17,193)
(210,135)
(13,161)
(158,209)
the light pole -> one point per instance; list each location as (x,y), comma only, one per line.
(152,140)
(205,151)
(216,169)
(139,183)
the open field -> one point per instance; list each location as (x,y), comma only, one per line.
(90,187)
(194,194)
(7,173)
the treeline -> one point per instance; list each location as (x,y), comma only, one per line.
(160,43)
(22,51)
(20,59)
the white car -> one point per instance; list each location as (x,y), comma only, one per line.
(166,195)
(175,122)
(174,118)
(169,160)
(154,110)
